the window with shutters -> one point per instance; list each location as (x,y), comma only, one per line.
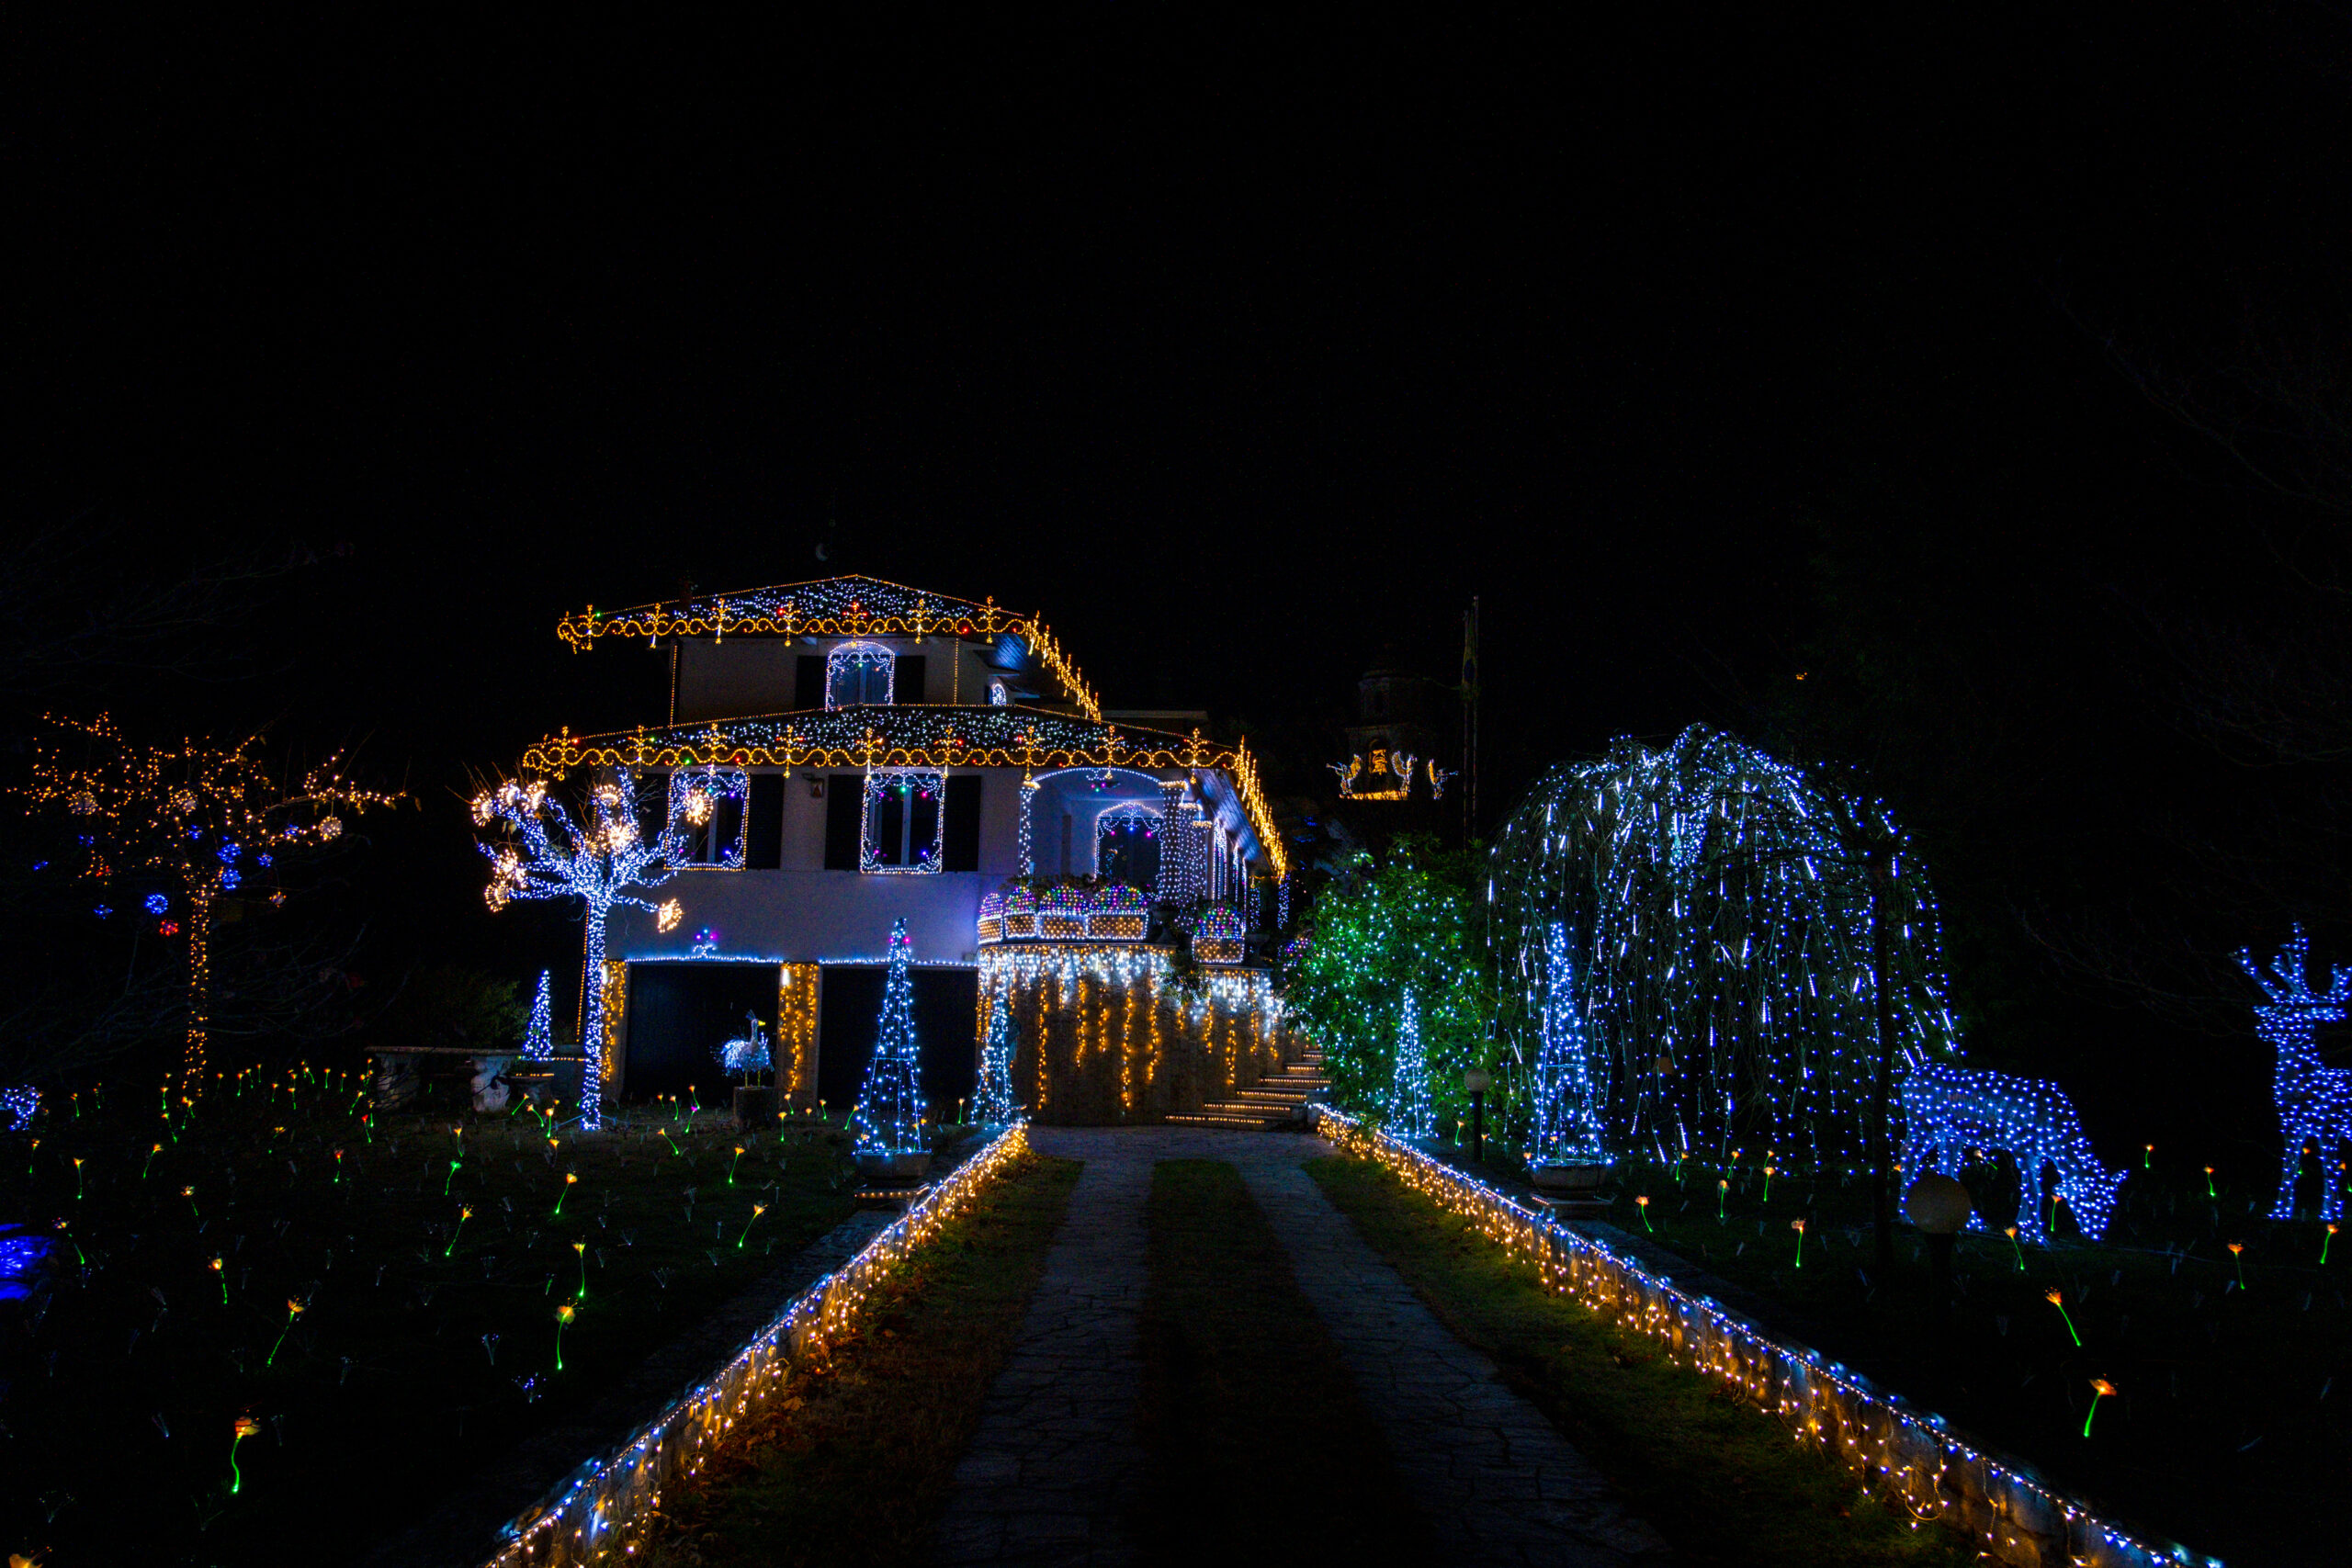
(858,674)
(706,817)
(903,822)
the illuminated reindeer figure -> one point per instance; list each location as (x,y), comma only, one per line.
(1948,1110)
(2315,1100)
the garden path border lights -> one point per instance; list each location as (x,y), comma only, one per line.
(604,1508)
(1899,1453)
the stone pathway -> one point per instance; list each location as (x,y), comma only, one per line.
(1054,1468)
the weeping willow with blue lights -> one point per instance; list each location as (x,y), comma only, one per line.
(1724,919)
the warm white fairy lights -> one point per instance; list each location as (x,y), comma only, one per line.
(191,813)
(1720,907)
(1899,1453)
(835,606)
(1107,1030)
(602,1510)
(926,736)
(2315,1100)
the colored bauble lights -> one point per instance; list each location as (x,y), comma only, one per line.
(889,1116)
(185,812)
(1725,912)
(538,1036)
(2315,1100)
(1410,1113)
(538,848)
(1567,1125)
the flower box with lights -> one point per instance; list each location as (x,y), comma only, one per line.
(1221,937)
(1065,912)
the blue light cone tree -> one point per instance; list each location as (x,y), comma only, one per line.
(890,1114)
(995,1106)
(539,1038)
(1410,1113)
(1566,1126)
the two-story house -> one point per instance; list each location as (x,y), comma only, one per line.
(845,753)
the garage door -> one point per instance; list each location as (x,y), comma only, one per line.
(945,1003)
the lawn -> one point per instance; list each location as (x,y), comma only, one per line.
(854,1468)
(429,1254)
(1253,1425)
(1718,1479)
(2228,1413)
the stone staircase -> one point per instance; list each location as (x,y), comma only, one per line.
(1269,1103)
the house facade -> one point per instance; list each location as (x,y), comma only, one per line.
(843,754)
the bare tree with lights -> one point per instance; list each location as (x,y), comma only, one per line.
(538,848)
(210,819)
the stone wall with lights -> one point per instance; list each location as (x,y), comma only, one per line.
(1905,1456)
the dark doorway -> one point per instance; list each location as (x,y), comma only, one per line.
(679,1014)
(946,1003)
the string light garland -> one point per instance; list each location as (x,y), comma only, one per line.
(538,848)
(1722,906)
(795,1025)
(837,606)
(190,813)
(1897,1452)
(22,1103)
(2315,1100)
(919,736)
(890,1114)
(1107,1032)
(602,1511)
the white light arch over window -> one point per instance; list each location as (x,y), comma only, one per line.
(860,674)
(997,696)
(1127,819)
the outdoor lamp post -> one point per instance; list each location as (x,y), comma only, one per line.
(1939,1206)
(1478,1080)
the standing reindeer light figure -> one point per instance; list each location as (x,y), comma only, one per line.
(1948,1110)
(2315,1100)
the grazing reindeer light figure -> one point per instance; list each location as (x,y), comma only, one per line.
(1948,1110)
(2315,1100)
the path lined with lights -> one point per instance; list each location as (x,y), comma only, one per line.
(1056,1463)
(1053,1471)
(1493,1476)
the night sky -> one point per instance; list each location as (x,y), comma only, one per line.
(1707,349)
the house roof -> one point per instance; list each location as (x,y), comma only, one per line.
(919,736)
(831,606)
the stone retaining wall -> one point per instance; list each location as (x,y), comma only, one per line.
(601,1511)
